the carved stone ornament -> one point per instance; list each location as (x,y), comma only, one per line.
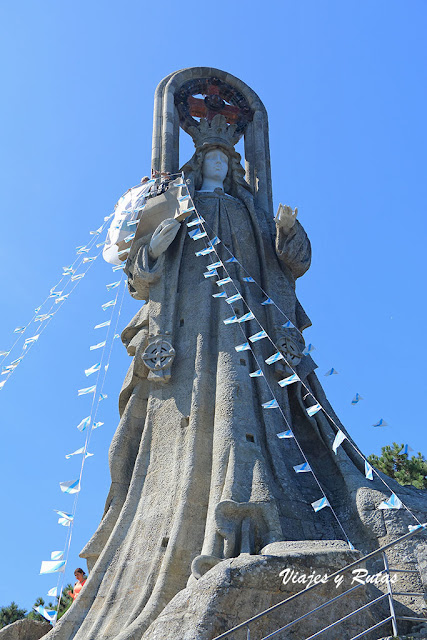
(158,357)
(291,350)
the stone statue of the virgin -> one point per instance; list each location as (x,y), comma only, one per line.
(198,474)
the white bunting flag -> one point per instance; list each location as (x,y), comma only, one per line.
(302,468)
(272,404)
(195,221)
(320,504)
(258,336)
(4,353)
(62,298)
(93,369)
(48,614)
(243,347)
(223,281)
(248,279)
(57,555)
(339,439)
(110,303)
(285,434)
(83,392)
(256,374)
(31,340)
(102,396)
(103,324)
(97,424)
(314,409)
(219,295)
(117,267)
(210,274)
(230,320)
(234,298)
(308,349)
(289,380)
(89,259)
(288,325)
(368,471)
(84,424)
(80,250)
(129,237)
(97,346)
(53,592)
(214,241)
(356,399)
(2,384)
(43,317)
(381,423)
(52,566)
(112,285)
(214,265)
(274,358)
(246,317)
(19,330)
(79,276)
(66,516)
(392,503)
(201,234)
(70,486)
(204,252)
(64,522)
(267,301)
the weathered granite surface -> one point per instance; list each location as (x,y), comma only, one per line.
(25,629)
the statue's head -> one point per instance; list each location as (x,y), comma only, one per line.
(219,162)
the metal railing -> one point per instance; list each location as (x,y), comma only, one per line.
(392,618)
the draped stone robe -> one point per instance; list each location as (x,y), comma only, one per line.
(198,473)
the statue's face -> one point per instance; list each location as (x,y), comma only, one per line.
(215,165)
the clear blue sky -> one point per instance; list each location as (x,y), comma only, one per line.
(345,87)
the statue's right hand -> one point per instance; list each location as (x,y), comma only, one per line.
(163,237)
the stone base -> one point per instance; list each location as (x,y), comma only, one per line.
(237,589)
(25,629)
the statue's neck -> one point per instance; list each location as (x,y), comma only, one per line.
(209,184)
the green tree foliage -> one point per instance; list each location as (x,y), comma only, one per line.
(66,600)
(10,614)
(400,466)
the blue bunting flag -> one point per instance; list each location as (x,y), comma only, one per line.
(129,237)
(232,259)
(230,320)
(302,468)
(93,369)
(243,347)
(288,325)
(267,301)
(248,316)
(381,423)
(331,372)
(357,398)
(272,404)
(274,358)
(219,295)
(314,409)
(97,346)
(289,380)
(285,434)
(223,281)
(234,298)
(19,330)
(83,392)
(195,221)
(103,324)
(392,503)
(204,252)
(320,504)
(210,274)
(258,336)
(214,265)
(84,424)
(111,303)
(70,486)
(248,279)
(368,471)
(256,374)
(308,349)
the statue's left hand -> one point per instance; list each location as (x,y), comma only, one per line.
(162,237)
(286,217)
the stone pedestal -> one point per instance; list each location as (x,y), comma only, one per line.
(239,588)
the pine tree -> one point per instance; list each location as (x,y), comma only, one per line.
(398,465)
(10,614)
